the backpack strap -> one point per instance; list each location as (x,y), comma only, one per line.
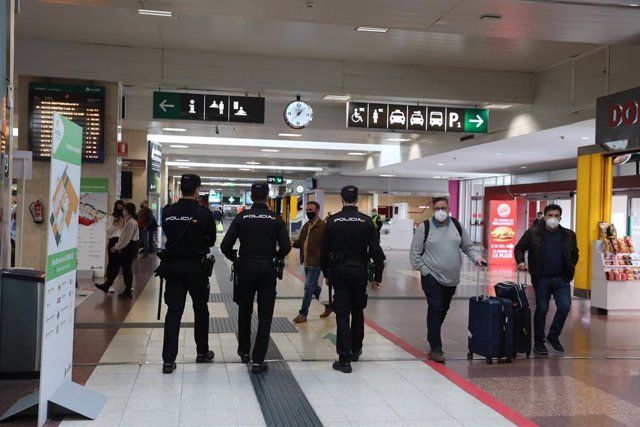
(427,225)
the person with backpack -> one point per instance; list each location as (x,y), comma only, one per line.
(435,253)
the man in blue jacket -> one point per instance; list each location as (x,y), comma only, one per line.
(552,257)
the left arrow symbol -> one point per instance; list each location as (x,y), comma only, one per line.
(478,121)
(164,105)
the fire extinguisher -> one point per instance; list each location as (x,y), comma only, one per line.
(36,208)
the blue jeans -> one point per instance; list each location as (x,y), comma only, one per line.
(311,288)
(561,292)
(438,302)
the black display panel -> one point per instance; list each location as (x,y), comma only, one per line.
(83,105)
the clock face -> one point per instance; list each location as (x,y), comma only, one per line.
(298,114)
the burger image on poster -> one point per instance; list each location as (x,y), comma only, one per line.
(503,234)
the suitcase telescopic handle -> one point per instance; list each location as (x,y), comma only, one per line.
(484,268)
(524,274)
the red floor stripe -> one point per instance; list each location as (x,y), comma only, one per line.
(484,397)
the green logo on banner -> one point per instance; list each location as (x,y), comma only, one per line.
(67,140)
(476,120)
(94,185)
(61,263)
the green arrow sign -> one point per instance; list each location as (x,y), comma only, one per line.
(476,120)
(275,179)
(166,105)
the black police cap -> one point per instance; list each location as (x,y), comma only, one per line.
(190,180)
(259,190)
(349,192)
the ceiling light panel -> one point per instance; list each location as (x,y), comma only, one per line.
(152,12)
(372,29)
(243,168)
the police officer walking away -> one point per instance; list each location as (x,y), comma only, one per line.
(349,240)
(259,230)
(190,232)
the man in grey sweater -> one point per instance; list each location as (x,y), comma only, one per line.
(439,261)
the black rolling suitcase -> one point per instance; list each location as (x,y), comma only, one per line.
(516,292)
(490,325)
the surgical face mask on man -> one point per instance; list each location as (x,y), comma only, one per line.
(311,215)
(441,215)
(552,223)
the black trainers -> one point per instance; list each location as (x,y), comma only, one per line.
(258,368)
(437,356)
(168,368)
(344,367)
(540,348)
(355,355)
(555,343)
(103,287)
(205,358)
(244,357)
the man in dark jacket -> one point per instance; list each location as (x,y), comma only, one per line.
(553,254)
(309,243)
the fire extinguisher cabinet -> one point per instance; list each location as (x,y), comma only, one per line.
(21,307)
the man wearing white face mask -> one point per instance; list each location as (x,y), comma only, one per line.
(552,257)
(435,252)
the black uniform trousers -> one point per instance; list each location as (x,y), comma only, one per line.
(113,264)
(349,283)
(256,275)
(185,276)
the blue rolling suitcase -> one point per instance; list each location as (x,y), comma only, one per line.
(490,326)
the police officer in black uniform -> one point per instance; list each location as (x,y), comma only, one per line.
(190,232)
(259,230)
(349,240)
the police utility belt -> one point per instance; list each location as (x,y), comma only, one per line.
(278,268)
(339,260)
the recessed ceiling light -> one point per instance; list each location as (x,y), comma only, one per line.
(422,207)
(253,163)
(384,175)
(634,5)
(523,167)
(343,98)
(491,18)
(440,164)
(174,129)
(497,106)
(357,154)
(585,138)
(184,167)
(151,12)
(437,177)
(399,139)
(498,154)
(244,169)
(292,135)
(372,29)
(178,146)
(270,150)
(181,160)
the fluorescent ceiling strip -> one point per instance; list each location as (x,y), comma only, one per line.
(263,143)
(243,167)
(226,184)
(372,29)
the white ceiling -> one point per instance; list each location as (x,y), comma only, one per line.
(531,36)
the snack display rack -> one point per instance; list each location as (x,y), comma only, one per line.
(615,277)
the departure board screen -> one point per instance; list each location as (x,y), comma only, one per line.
(83,105)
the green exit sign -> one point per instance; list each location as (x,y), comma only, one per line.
(476,120)
(274,179)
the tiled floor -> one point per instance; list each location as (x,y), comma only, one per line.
(391,385)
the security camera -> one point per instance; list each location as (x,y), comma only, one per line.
(217,130)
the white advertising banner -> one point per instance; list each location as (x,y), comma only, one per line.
(92,224)
(62,248)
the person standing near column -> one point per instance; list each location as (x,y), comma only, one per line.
(190,232)
(348,242)
(309,244)
(115,225)
(260,230)
(552,258)
(435,253)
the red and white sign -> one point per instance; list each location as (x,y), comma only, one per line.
(502,231)
(123,149)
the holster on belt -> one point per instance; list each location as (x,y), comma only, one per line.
(235,268)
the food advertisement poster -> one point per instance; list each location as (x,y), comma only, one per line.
(502,233)
(62,248)
(92,224)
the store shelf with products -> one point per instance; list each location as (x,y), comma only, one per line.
(615,278)
(477,220)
